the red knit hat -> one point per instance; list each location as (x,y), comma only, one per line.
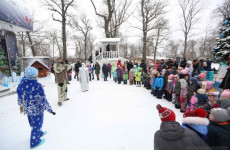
(166,114)
(199,112)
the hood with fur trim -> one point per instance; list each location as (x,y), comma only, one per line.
(195,120)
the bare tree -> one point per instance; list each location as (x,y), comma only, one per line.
(190,10)
(106,15)
(149,12)
(161,28)
(79,46)
(83,25)
(119,17)
(173,47)
(60,7)
(223,11)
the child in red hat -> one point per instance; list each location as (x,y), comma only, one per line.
(172,136)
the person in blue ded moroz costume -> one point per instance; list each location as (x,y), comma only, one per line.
(35,103)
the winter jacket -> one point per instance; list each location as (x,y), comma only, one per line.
(118,63)
(60,72)
(191,89)
(172,136)
(132,73)
(97,69)
(143,65)
(119,72)
(160,82)
(35,102)
(115,74)
(169,86)
(219,135)
(183,63)
(89,69)
(161,67)
(109,67)
(177,88)
(138,76)
(197,124)
(77,66)
(125,76)
(222,114)
(225,84)
(190,72)
(154,83)
(129,66)
(113,68)
(105,70)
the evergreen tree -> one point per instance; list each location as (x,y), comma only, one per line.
(221,51)
(17,66)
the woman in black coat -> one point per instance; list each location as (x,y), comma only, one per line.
(225,84)
(183,63)
(105,71)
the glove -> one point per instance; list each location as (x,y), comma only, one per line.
(53,113)
(60,84)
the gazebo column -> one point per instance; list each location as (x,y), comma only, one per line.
(118,49)
(102,50)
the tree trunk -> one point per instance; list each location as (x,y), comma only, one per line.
(144,46)
(85,48)
(31,43)
(107,29)
(64,31)
(185,44)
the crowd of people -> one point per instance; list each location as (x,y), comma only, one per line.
(188,85)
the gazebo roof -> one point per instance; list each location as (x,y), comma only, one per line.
(110,40)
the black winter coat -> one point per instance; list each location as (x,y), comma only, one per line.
(225,84)
(219,136)
(129,66)
(77,66)
(105,70)
(172,136)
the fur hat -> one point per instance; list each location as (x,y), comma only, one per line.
(201,91)
(202,76)
(198,116)
(166,114)
(199,112)
(225,94)
(171,76)
(189,62)
(31,72)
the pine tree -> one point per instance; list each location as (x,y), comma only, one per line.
(17,66)
(221,51)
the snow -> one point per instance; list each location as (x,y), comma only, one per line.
(107,117)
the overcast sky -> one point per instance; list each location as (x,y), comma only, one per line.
(85,7)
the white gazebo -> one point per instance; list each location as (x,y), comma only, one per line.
(113,53)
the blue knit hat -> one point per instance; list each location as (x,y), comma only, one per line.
(194,80)
(31,72)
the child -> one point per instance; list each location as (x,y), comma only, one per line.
(201,100)
(114,68)
(192,88)
(89,70)
(125,77)
(131,76)
(212,97)
(183,94)
(169,88)
(159,85)
(138,77)
(219,129)
(178,90)
(119,74)
(31,95)
(176,78)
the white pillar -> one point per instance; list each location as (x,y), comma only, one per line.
(118,49)
(102,49)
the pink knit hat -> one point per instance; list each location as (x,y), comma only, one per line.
(171,76)
(184,71)
(225,94)
(202,76)
(209,85)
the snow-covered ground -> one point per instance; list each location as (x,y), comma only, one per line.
(107,117)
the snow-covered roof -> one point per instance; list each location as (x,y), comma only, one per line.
(110,40)
(40,63)
(33,57)
(157,57)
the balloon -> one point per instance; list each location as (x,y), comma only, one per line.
(225,22)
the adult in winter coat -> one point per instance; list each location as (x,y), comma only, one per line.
(143,65)
(76,68)
(172,136)
(109,69)
(105,71)
(84,77)
(119,63)
(219,129)
(183,63)
(60,72)
(129,65)
(31,94)
(209,70)
(97,70)
(161,66)
(225,84)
